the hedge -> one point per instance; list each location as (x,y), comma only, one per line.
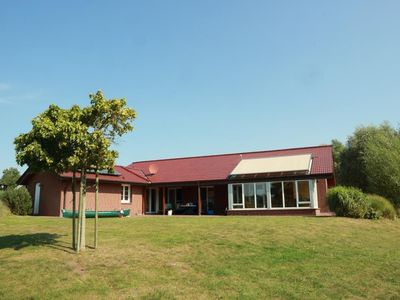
(18,200)
(352,202)
(347,202)
(382,206)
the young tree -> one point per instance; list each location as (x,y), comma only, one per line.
(51,145)
(76,140)
(109,119)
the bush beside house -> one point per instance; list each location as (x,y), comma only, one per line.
(382,206)
(351,202)
(4,210)
(13,199)
(18,200)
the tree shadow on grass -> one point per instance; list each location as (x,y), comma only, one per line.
(19,241)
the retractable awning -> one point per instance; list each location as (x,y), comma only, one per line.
(293,164)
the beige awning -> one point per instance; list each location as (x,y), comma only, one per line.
(280,164)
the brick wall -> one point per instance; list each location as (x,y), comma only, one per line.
(50,193)
(109,197)
(322,186)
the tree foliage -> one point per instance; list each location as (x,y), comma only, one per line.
(10,177)
(370,160)
(76,139)
(54,142)
(107,119)
(337,149)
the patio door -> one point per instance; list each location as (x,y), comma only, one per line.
(207,200)
(37,199)
(152,201)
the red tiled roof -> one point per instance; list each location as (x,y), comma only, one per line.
(219,167)
(125,175)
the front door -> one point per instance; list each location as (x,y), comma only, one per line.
(207,200)
(37,199)
(152,201)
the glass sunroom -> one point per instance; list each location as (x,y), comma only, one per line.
(273,194)
(295,194)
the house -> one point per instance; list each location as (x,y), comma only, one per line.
(278,182)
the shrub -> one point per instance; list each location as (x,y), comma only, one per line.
(382,206)
(349,202)
(4,210)
(18,200)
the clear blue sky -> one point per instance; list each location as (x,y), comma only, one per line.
(205,77)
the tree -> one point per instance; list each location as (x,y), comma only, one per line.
(382,165)
(337,148)
(52,145)
(109,119)
(10,178)
(76,140)
(370,161)
(94,156)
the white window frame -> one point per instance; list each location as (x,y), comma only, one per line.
(313,203)
(237,204)
(266,191)
(123,200)
(283,195)
(297,195)
(254,195)
(309,191)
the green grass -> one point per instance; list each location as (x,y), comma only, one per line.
(202,258)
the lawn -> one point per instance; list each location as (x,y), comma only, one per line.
(202,258)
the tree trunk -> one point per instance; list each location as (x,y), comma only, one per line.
(73,187)
(96,219)
(79,233)
(83,218)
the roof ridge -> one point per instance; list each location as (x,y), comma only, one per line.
(143,177)
(229,154)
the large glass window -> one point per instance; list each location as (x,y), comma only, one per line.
(207,199)
(152,201)
(249,195)
(276,194)
(237,200)
(280,194)
(304,193)
(290,194)
(175,197)
(261,195)
(210,198)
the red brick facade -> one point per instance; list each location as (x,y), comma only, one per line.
(188,174)
(50,193)
(109,197)
(56,194)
